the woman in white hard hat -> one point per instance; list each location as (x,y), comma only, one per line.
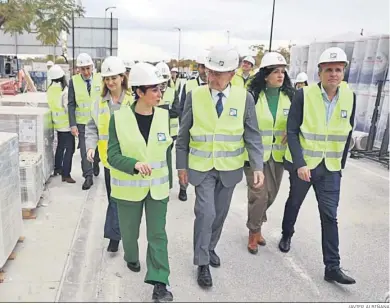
(301,81)
(57,97)
(139,151)
(114,95)
(273,94)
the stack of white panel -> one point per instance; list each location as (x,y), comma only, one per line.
(30,99)
(31,179)
(35,130)
(11,223)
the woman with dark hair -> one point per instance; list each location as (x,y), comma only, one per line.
(301,81)
(57,96)
(139,151)
(273,93)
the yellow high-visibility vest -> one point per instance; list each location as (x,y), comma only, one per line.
(136,187)
(217,142)
(60,117)
(83,99)
(321,140)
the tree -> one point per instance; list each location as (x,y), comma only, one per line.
(47,18)
(260,49)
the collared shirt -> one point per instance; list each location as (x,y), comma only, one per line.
(113,107)
(214,95)
(329,104)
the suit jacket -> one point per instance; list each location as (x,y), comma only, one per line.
(252,140)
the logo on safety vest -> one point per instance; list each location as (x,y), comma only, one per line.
(285,112)
(233,112)
(344,114)
(161,137)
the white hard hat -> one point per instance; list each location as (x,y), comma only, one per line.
(84,59)
(272,58)
(250,60)
(333,54)
(174,69)
(49,63)
(56,72)
(222,59)
(164,69)
(129,64)
(112,66)
(200,60)
(145,74)
(301,77)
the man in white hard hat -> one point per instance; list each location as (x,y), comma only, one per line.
(218,123)
(84,88)
(128,65)
(245,73)
(188,87)
(319,131)
(301,80)
(175,82)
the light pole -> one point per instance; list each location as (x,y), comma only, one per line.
(178,56)
(228,36)
(105,17)
(272,25)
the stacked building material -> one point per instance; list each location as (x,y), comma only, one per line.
(35,130)
(30,99)
(31,179)
(11,223)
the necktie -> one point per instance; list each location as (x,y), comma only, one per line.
(219,105)
(89,86)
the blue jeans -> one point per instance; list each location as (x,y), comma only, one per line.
(326,186)
(64,152)
(111,226)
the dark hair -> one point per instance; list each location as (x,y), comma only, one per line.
(61,80)
(142,88)
(259,84)
(305,82)
(125,85)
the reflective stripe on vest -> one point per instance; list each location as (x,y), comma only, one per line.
(217,142)
(60,117)
(272,133)
(83,99)
(102,122)
(320,140)
(136,187)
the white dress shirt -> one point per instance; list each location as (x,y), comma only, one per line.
(214,95)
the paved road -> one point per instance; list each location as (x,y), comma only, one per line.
(64,256)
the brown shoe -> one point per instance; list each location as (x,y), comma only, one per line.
(253,242)
(68,179)
(261,240)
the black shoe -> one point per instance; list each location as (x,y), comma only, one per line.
(88,183)
(113,246)
(96,169)
(214,259)
(285,243)
(337,275)
(57,172)
(183,195)
(161,294)
(134,266)
(204,277)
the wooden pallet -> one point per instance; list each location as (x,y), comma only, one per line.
(12,256)
(29,214)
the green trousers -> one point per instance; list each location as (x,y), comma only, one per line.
(130,214)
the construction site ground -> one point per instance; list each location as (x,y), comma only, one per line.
(63,257)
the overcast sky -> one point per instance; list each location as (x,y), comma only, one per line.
(146,27)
